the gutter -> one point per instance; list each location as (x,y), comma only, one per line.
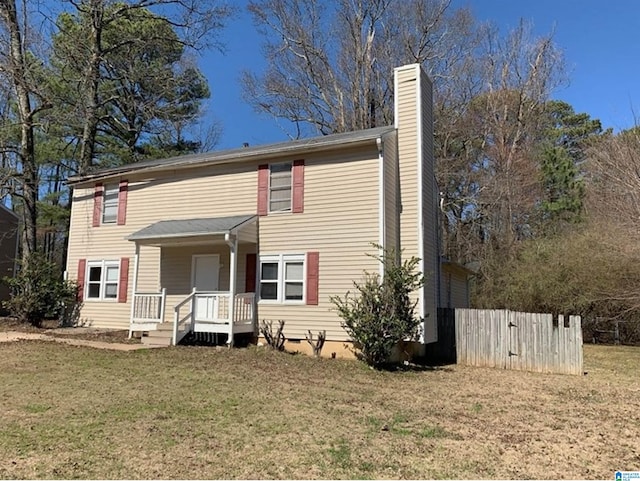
(231,156)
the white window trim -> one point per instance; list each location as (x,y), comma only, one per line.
(110,188)
(103,264)
(283,211)
(281,259)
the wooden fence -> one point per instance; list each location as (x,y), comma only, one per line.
(510,340)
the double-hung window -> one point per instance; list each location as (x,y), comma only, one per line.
(102,280)
(280,187)
(282,278)
(110,204)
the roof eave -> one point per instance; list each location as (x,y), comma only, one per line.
(174,236)
(145,238)
(459,267)
(232,157)
(9,211)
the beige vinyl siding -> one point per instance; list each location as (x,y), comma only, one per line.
(176,271)
(430,195)
(248,233)
(106,242)
(391,192)
(340,221)
(176,264)
(454,292)
(459,291)
(148,275)
(8,244)
(406,115)
(418,196)
(203,192)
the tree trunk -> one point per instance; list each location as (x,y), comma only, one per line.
(17,69)
(90,87)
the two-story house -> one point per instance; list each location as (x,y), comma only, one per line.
(8,249)
(213,242)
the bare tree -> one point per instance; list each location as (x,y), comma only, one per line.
(331,63)
(330,69)
(489,167)
(613,191)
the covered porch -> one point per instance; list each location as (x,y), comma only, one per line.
(206,277)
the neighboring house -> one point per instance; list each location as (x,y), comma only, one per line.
(454,285)
(8,249)
(268,232)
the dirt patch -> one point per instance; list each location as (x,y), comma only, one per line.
(12,336)
(52,328)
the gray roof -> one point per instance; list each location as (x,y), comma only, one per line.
(8,211)
(166,229)
(291,147)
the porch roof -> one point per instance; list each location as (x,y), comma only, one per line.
(173,229)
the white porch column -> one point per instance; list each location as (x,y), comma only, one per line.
(232,242)
(136,261)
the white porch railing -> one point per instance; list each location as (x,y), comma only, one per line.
(212,306)
(245,308)
(199,311)
(147,310)
(211,312)
(181,320)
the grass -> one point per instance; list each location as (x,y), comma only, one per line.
(197,412)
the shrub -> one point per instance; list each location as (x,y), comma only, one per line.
(382,312)
(38,292)
(275,340)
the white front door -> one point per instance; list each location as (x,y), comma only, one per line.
(205,270)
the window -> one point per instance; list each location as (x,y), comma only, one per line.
(293,280)
(110,204)
(102,280)
(282,278)
(280,187)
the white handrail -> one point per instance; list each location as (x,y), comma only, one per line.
(163,303)
(176,315)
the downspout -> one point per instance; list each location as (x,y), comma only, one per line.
(15,257)
(381,204)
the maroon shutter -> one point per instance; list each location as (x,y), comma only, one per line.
(298,187)
(82,267)
(250,273)
(313,261)
(123,285)
(123,188)
(263,189)
(97,204)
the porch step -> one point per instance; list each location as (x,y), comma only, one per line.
(160,337)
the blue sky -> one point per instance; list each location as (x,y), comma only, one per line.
(600,40)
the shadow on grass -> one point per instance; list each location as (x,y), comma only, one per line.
(417,368)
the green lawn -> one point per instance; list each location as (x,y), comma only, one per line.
(196,412)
